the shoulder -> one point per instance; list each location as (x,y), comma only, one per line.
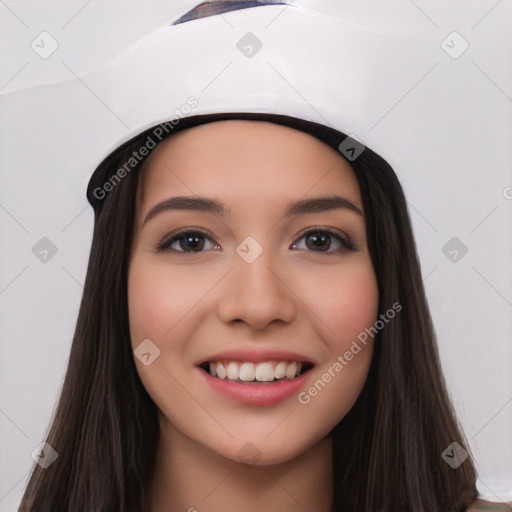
(480,505)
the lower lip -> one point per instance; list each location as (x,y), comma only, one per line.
(256,394)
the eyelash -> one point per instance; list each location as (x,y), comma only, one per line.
(169,240)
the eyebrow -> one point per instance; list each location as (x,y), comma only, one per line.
(205,204)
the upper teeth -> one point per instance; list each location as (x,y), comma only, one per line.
(262,372)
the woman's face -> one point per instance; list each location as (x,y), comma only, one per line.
(258,294)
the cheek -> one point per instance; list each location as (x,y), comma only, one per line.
(348,303)
(348,306)
(157,299)
(357,307)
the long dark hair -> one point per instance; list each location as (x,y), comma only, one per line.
(386,450)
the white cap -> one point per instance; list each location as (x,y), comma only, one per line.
(295,60)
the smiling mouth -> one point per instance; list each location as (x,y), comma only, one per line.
(265,372)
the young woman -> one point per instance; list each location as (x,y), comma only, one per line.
(253,334)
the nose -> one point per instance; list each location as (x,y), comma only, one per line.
(257,293)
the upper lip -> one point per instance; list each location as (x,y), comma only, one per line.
(256,355)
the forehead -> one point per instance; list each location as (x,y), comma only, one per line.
(246,160)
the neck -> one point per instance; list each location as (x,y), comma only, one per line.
(190,477)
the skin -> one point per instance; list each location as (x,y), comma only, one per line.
(193,305)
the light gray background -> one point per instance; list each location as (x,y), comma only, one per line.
(461,187)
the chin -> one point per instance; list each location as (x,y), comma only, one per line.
(265,452)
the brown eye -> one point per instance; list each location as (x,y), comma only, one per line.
(321,240)
(188,241)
